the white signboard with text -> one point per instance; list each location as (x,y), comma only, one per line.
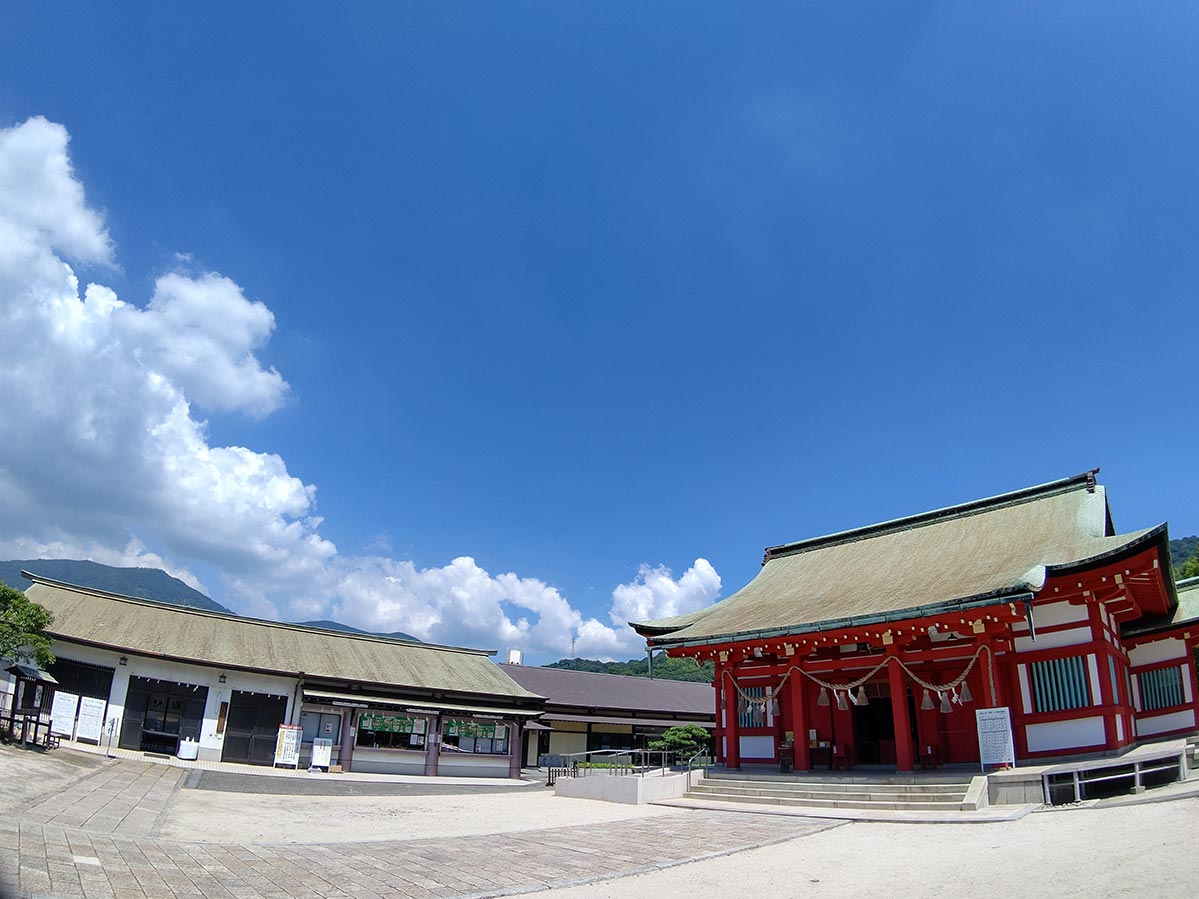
(287,745)
(91,719)
(995,746)
(322,753)
(62,713)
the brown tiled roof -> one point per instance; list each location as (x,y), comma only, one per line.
(144,627)
(591,690)
(997,547)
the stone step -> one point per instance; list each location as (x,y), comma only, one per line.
(867,804)
(840,786)
(833,795)
(851,776)
(843,783)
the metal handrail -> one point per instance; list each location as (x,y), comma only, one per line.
(703,754)
(639,767)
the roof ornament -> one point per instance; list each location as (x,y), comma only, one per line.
(1091,480)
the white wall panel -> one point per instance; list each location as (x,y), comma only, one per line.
(1147,726)
(1157,651)
(757,747)
(1065,734)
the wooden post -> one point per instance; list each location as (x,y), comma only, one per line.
(799,719)
(904,760)
(732,724)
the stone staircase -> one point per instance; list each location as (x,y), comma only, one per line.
(932,792)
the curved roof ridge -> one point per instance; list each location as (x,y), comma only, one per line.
(974,507)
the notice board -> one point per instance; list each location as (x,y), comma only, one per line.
(287,745)
(91,719)
(322,753)
(62,713)
(995,745)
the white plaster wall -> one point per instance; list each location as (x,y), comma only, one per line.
(757,747)
(1096,693)
(628,788)
(1025,689)
(182,673)
(1055,613)
(1157,651)
(563,743)
(388,761)
(465,764)
(1053,640)
(1065,734)
(1157,724)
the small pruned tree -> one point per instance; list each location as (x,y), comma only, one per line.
(23,626)
(685,740)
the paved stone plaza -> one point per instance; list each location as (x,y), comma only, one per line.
(99,835)
(75,824)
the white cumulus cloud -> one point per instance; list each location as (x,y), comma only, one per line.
(106,449)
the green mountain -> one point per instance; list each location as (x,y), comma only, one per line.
(665,668)
(325,624)
(144,583)
(1182,549)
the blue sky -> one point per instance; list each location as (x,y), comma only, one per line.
(596,299)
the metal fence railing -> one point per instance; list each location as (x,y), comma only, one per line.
(618,763)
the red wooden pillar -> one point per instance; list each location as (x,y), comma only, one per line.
(718,698)
(799,719)
(732,730)
(904,759)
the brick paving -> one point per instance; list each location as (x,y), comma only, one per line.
(98,838)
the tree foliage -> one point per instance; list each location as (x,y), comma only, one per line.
(665,668)
(685,740)
(1189,568)
(23,626)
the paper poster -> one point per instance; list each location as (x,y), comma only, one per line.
(91,719)
(287,745)
(995,745)
(322,753)
(62,713)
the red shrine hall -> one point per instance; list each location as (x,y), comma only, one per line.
(875,646)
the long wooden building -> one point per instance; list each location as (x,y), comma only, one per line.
(876,645)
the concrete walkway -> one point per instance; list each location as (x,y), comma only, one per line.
(98,836)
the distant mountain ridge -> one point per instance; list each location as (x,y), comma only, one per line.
(338,626)
(153,584)
(144,583)
(1182,549)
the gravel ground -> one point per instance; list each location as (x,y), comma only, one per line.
(215,816)
(1141,850)
(27,775)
